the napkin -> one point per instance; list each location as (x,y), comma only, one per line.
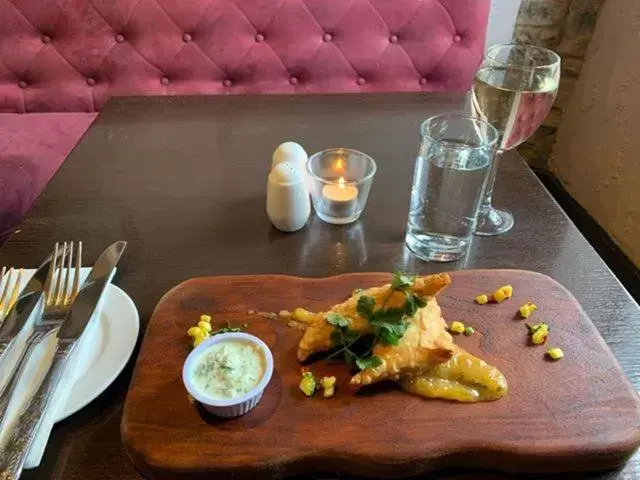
(35,371)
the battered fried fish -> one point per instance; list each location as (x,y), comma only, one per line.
(425,361)
(317,337)
(425,344)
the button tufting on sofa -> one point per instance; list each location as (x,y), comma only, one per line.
(423,81)
(227,83)
(91,81)
(293,80)
(164,81)
(22,84)
(328,43)
(361,81)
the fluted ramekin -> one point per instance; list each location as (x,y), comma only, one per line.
(232,407)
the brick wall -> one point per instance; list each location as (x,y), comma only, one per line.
(565,26)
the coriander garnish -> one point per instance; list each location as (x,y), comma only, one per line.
(227,329)
(388,325)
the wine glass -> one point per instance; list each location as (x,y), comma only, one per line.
(514,90)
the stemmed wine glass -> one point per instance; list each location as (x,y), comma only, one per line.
(514,90)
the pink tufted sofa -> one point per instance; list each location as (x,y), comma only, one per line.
(61,60)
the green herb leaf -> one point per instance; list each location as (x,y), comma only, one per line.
(414,302)
(337,338)
(388,315)
(337,320)
(401,281)
(370,362)
(365,306)
(390,333)
(350,357)
(226,330)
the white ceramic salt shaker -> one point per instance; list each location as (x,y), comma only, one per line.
(288,204)
(293,153)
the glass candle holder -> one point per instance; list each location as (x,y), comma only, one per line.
(340,180)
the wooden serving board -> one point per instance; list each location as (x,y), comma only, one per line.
(580,413)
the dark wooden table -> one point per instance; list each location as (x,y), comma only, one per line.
(183,180)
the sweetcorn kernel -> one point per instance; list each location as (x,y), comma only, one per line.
(527,309)
(307,384)
(199,339)
(194,332)
(539,333)
(205,318)
(540,336)
(482,299)
(555,353)
(508,290)
(457,327)
(204,326)
(499,295)
(328,386)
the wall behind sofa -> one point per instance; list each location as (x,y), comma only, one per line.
(597,155)
(565,26)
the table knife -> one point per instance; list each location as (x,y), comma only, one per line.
(27,424)
(17,318)
(19,315)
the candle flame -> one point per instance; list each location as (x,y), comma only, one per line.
(339,165)
(341,182)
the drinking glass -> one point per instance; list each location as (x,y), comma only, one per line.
(514,90)
(452,168)
(339,181)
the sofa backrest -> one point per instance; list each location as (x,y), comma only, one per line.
(72,55)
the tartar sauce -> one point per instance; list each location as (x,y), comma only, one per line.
(228,369)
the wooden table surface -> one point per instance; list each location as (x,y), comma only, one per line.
(183,181)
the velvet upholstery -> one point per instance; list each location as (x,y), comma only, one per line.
(72,55)
(32,148)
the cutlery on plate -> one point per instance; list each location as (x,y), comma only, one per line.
(16,318)
(58,298)
(13,320)
(8,300)
(75,320)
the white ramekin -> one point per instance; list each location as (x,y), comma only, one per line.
(233,407)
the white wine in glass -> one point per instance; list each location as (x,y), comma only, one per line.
(514,90)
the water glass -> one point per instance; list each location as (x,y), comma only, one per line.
(450,174)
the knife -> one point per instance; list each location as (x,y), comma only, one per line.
(29,421)
(19,315)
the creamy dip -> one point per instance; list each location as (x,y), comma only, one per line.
(228,369)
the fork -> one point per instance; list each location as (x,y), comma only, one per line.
(7,302)
(58,298)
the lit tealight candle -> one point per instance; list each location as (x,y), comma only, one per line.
(340,199)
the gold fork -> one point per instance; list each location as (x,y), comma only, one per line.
(58,298)
(8,299)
